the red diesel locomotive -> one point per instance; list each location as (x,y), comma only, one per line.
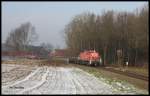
(90,57)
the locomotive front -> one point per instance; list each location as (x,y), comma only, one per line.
(90,57)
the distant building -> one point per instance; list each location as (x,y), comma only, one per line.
(6,48)
(59,53)
(31,50)
(38,50)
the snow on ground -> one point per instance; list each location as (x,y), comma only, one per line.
(59,80)
(13,72)
(8,67)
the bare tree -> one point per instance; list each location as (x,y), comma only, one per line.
(22,36)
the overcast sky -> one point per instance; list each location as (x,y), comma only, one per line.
(50,18)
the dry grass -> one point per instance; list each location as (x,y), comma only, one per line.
(143,70)
(24,61)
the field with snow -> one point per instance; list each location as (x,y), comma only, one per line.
(23,79)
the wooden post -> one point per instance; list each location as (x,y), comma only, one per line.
(105,49)
(119,55)
(136,52)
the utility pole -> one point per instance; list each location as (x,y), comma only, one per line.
(81,45)
(89,45)
(94,45)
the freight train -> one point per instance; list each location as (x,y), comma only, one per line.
(90,57)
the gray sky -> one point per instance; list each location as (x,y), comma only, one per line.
(50,18)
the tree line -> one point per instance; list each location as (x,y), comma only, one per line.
(109,33)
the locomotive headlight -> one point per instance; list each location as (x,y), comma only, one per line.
(100,60)
(90,62)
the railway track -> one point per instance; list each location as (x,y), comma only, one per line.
(127,73)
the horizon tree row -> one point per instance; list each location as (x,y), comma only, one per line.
(109,32)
